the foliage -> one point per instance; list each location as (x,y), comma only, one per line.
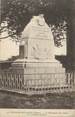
(17,14)
(59,33)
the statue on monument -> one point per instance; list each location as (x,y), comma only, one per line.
(38,40)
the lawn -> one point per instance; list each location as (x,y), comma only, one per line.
(48,101)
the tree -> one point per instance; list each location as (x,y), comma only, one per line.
(17,14)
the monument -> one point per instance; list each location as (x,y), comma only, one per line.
(37,61)
(38,40)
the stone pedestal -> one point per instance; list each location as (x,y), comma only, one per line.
(37,62)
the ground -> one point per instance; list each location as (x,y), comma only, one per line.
(48,101)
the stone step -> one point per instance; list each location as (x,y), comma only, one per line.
(36,64)
(44,80)
(40,70)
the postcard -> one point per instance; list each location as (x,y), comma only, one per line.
(37,58)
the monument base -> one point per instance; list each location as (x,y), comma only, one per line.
(40,74)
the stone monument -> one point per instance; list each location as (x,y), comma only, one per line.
(37,60)
(38,40)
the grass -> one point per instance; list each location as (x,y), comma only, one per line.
(48,101)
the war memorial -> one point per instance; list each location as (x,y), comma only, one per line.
(36,71)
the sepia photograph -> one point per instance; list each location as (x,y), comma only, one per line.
(37,54)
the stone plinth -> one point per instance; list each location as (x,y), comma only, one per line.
(41,74)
